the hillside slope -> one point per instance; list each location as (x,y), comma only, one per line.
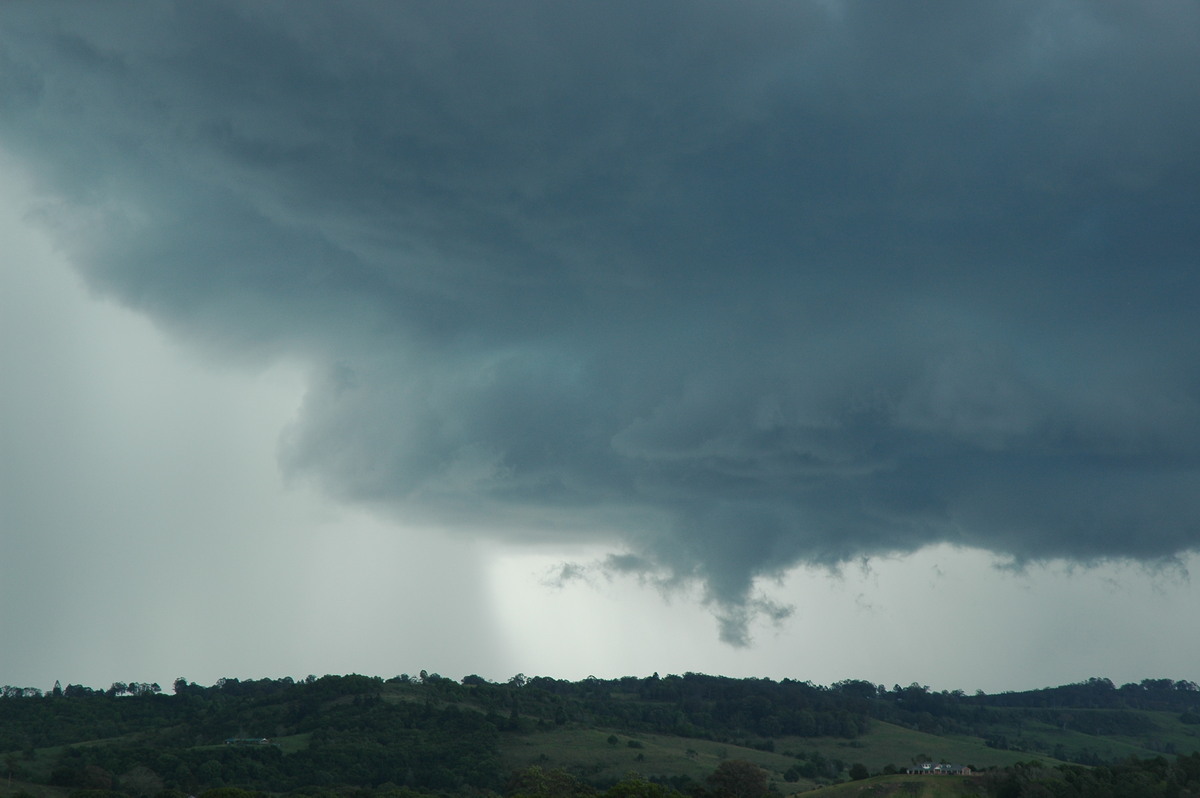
(437,735)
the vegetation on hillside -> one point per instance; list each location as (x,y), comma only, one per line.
(653,737)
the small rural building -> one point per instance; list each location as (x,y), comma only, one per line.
(938,769)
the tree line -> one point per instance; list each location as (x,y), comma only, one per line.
(430,734)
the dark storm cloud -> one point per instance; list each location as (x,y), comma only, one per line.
(741,287)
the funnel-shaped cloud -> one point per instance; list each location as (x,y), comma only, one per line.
(738,288)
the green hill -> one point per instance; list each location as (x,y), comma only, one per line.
(435,735)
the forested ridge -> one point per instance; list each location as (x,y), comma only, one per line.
(427,734)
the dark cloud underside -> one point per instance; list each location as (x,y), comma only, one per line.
(742,288)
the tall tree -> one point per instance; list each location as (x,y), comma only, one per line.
(737,778)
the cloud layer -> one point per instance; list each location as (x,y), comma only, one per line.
(734,288)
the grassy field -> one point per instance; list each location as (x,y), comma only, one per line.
(885,743)
(590,753)
(293,743)
(903,787)
(888,744)
(1165,734)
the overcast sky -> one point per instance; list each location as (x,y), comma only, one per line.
(818,340)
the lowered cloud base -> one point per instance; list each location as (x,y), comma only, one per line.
(727,290)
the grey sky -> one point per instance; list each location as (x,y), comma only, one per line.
(705,292)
